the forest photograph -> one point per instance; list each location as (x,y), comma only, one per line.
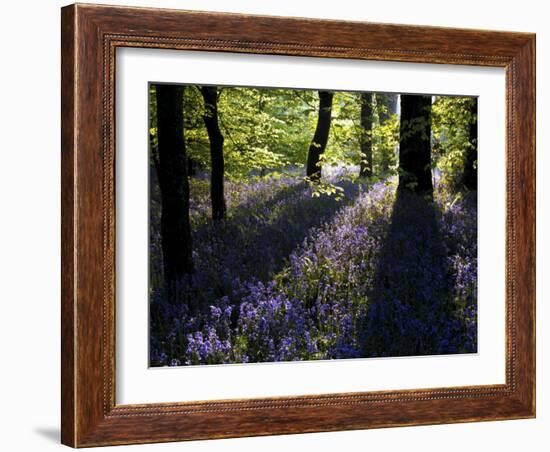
(300,224)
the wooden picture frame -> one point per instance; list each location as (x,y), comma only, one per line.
(90,36)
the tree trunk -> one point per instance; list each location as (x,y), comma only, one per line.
(414,144)
(191,170)
(173,183)
(470,166)
(210,96)
(386,105)
(320,138)
(366,135)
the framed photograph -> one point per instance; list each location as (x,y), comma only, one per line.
(281,225)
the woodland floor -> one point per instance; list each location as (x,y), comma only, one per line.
(291,276)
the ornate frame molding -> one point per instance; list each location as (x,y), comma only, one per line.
(90,36)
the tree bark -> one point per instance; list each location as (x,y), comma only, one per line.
(366,135)
(320,138)
(470,166)
(415,173)
(191,170)
(387,106)
(210,96)
(173,183)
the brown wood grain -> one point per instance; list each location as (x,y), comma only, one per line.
(67,224)
(90,36)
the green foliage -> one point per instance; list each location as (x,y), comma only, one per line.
(385,142)
(325,187)
(264,129)
(346,135)
(343,147)
(267,129)
(196,137)
(451,118)
(267,133)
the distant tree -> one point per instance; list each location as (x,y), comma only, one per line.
(470,164)
(454,140)
(191,170)
(173,183)
(366,134)
(386,107)
(415,173)
(320,138)
(386,104)
(210,95)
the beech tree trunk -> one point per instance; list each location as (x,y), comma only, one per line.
(320,138)
(366,134)
(210,96)
(470,166)
(173,183)
(415,173)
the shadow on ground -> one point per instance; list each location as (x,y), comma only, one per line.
(411,294)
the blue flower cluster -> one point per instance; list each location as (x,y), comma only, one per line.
(288,276)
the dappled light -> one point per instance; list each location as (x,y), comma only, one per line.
(310,225)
